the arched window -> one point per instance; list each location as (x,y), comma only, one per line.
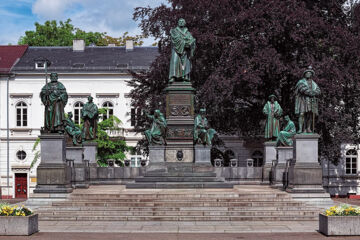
(21,114)
(258,158)
(21,155)
(351,161)
(109,110)
(77,112)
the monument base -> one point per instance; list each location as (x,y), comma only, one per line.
(269,156)
(278,172)
(53,174)
(179,153)
(202,155)
(90,152)
(156,154)
(80,172)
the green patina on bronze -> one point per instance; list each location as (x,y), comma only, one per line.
(54,97)
(183,48)
(306,101)
(72,130)
(273,111)
(157,133)
(203,134)
(89,114)
(286,135)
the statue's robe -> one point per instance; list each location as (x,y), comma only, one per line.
(285,136)
(54,97)
(273,113)
(306,97)
(156,134)
(183,47)
(73,131)
(89,113)
(202,133)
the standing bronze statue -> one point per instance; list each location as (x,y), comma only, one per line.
(203,134)
(306,101)
(72,130)
(157,133)
(89,114)
(273,111)
(54,97)
(286,135)
(183,47)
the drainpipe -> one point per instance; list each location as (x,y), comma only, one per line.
(7,136)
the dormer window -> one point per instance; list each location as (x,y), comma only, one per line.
(40,65)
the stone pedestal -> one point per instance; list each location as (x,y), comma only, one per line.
(305,173)
(283,154)
(180,122)
(53,174)
(90,152)
(269,156)
(202,154)
(80,172)
(156,154)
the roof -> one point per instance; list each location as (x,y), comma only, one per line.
(9,55)
(92,59)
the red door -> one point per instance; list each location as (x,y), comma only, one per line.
(20,185)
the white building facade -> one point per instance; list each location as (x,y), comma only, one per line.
(100,72)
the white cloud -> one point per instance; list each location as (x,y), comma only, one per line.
(51,9)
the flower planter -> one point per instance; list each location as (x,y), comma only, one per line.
(339,225)
(19,225)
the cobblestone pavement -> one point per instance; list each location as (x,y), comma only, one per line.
(174,236)
(339,201)
(178,227)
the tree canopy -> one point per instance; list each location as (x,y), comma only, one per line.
(52,33)
(249,49)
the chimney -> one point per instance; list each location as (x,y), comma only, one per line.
(129,45)
(78,45)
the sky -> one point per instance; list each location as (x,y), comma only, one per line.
(111,16)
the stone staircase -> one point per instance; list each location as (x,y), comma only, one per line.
(175,175)
(115,203)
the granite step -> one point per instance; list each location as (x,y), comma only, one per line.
(178,185)
(148,179)
(180,218)
(180,174)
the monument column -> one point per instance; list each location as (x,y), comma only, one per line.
(180,120)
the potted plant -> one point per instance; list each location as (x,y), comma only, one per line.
(16,220)
(340,221)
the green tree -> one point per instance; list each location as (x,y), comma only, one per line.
(110,147)
(121,41)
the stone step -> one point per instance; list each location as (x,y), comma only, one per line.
(178,204)
(179,218)
(147,179)
(178,185)
(144,200)
(180,174)
(179,213)
(140,209)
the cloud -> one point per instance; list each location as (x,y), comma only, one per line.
(51,9)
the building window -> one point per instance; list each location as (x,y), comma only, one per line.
(351,161)
(135,115)
(135,161)
(21,155)
(258,158)
(21,114)
(109,110)
(40,65)
(77,112)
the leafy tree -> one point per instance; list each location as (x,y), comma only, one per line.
(249,49)
(52,33)
(108,147)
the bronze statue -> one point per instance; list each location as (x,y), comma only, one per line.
(273,111)
(203,134)
(72,130)
(89,114)
(306,101)
(54,97)
(286,135)
(157,133)
(183,47)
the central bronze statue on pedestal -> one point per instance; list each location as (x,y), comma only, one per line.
(183,47)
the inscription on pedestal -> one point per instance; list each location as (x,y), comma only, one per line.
(180,133)
(180,99)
